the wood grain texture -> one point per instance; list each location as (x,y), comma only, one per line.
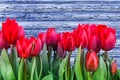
(38,15)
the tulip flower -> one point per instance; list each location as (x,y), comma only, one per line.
(94,42)
(3,43)
(114,67)
(60,50)
(21,32)
(42,37)
(51,37)
(82,37)
(11,32)
(36,47)
(68,41)
(24,47)
(91,61)
(107,38)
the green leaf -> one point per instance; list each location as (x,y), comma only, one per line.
(15,62)
(101,73)
(6,68)
(109,76)
(20,71)
(72,73)
(48,77)
(45,61)
(55,65)
(33,68)
(78,71)
(118,74)
(62,68)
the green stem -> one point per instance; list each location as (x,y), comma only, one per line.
(11,55)
(49,57)
(25,70)
(55,55)
(33,68)
(40,68)
(68,67)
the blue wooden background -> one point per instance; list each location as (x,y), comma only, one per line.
(37,15)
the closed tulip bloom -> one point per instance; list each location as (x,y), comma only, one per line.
(68,41)
(11,32)
(21,32)
(24,47)
(114,67)
(82,37)
(51,37)
(91,61)
(60,51)
(42,37)
(108,38)
(94,42)
(75,34)
(36,47)
(3,43)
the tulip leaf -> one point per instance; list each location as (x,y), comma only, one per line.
(48,77)
(72,73)
(101,72)
(55,65)
(62,68)
(33,68)
(6,68)
(20,71)
(78,71)
(15,62)
(44,61)
(118,74)
(1,78)
(109,76)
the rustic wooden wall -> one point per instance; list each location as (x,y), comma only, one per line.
(37,15)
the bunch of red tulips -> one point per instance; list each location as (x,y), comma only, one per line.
(47,57)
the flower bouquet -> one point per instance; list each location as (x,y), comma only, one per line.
(47,57)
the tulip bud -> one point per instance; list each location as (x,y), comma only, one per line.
(21,32)
(3,43)
(91,61)
(114,67)
(82,37)
(94,42)
(11,32)
(107,38)
(36,47)
(42,37)
(24,47)
(60,50)
(68,41)
(51,37)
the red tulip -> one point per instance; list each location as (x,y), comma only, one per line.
(107,38)
(24,47)
(60,51)
(37,46)
(68,41)
(59,38)
(11,32)
(91,61)
(3,43)
(82,37)
(114,67)
(94,42)
(51,37)
(42,37)
(21,33)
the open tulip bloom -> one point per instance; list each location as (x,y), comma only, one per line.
(47,57)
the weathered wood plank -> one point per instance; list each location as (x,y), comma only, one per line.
(61,16)
(89,7)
